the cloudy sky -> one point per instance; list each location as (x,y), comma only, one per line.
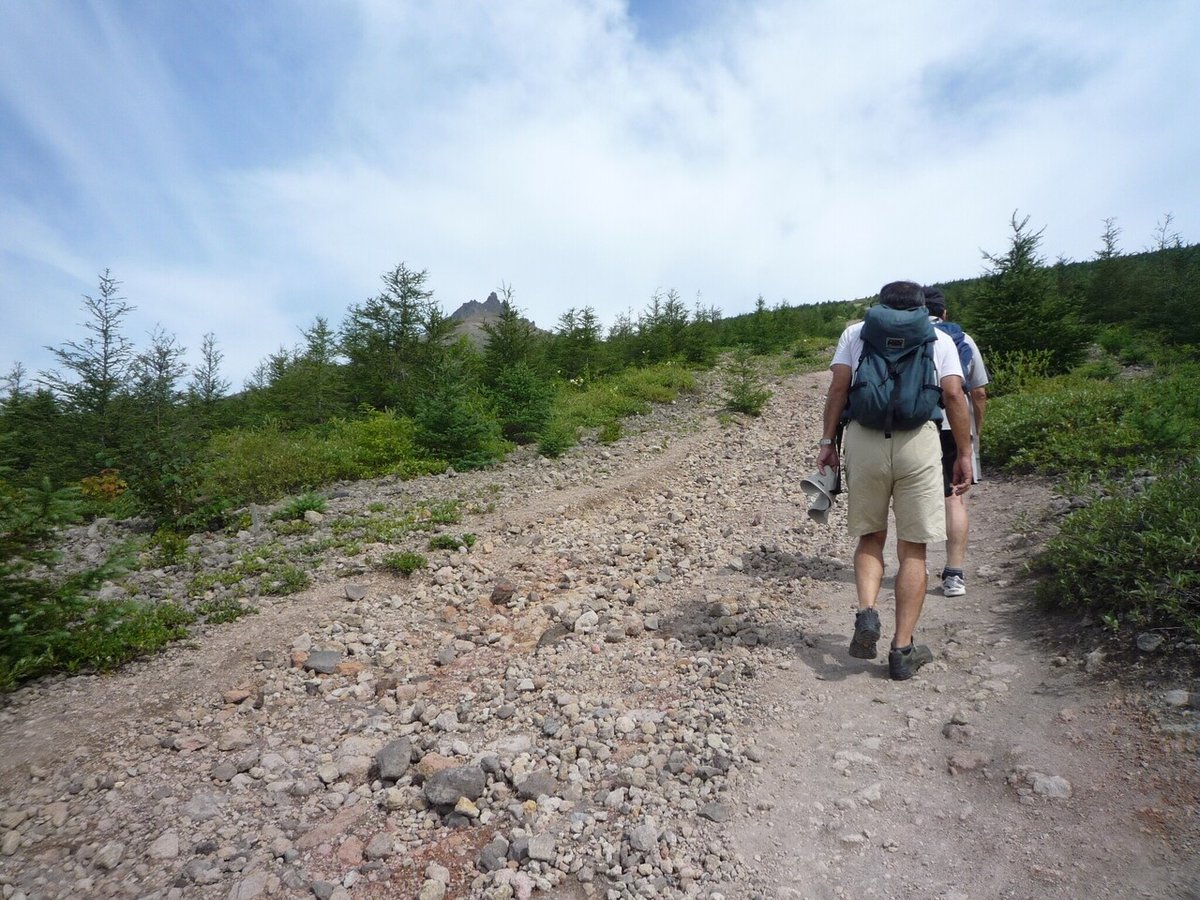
(242,167)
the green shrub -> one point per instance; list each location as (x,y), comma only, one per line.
(524,400)
(812,353)
(292,527)
(557,438)
(283,579)
(1130,346)
(1103,369)
(596,404)
(169,546)
(744,386)
(298,506)
(1132,556)
(610,432)
(1016,370)
(52,623)
(601,403)
(404,563)
(453,423)
(1074,424)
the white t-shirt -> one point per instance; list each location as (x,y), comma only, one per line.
(976,375)
(850,347)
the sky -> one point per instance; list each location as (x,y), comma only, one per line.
(245,167)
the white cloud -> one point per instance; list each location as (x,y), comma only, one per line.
(802,151)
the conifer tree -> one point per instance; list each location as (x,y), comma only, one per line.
(1019,307)
(96,369)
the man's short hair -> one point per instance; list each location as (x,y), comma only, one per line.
(935,301)
(902,295)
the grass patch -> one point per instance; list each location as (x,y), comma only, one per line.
(595,404)
(259,464)
(226,609)
(282,580)
(451,541)
(403,563)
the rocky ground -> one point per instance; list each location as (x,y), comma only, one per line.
(633,684)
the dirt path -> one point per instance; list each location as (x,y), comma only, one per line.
(698,725)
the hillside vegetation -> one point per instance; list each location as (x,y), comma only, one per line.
(1095,369)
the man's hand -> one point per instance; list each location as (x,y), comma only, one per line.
(963,473)
(827,457)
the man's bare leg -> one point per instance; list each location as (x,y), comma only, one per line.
(957,526)
(868,568)
(911,582)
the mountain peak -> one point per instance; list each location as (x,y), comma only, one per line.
(473,309)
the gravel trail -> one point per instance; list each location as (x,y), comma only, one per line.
(633,684)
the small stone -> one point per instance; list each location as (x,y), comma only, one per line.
(1149,641)
(553,635)
(109,856)
(324,662)
(503,591)
(715,812)
(1052,787)
(444,788)
(234,739)
(252,886)
(11,843)
(644,838)
(355,592)
(967,761)
(1177,698)
(165,847)
(380,846)
(394,759)
(494,855)
(536,784)
(541,847)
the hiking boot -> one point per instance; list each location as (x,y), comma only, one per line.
(903,662)
(866,633)
(953,583)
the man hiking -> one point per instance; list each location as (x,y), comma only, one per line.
(975,380)
(890,375)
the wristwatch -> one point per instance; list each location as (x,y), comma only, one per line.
(825,442)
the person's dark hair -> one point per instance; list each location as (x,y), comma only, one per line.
(902,295)
(935,300)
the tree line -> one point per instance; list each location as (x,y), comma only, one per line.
(117,420)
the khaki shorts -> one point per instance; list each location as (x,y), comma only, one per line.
(904,471)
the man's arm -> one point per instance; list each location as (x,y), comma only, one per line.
(960,427)
(978,405)
(835,402)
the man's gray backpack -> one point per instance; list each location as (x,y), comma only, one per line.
(896,386)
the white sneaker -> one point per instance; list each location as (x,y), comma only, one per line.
(953,586)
